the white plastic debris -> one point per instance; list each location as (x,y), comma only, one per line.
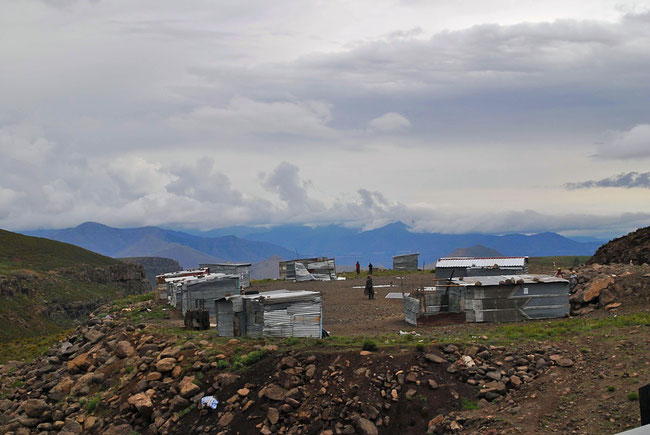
(209,402)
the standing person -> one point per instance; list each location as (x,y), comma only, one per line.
(559,273)
(370,290)
(369,268)
(358,268)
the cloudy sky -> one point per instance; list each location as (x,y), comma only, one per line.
(450,115)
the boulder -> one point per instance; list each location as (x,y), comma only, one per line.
(142,403)
(596,287)
(34,407)
(275,392)
(79,363)
(170,352)
(124,349)
(273,415)
(366,427)
(188,388)
(61,389)
(606,297)
(431,357)
(165,365)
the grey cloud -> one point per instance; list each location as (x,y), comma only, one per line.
(285,181)
(627,180)
(630,144)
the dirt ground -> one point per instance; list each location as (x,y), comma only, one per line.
(346,311)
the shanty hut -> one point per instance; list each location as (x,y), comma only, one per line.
(241,269)
(204,292)
(456,267)
(161,280)
(406,262)
(308,269)
(278,313)
(508,298)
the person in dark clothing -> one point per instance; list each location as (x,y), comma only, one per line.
(358,268)
(370,290)
(370,268)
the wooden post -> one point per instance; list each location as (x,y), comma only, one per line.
(644,403)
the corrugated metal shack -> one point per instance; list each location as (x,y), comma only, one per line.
(308,269)
(278,313)
(456,267)
(161,280)
(508,298)
(205,291)
(406,262)
(241,269)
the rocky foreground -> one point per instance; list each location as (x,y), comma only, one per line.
(112,377)
(609,287)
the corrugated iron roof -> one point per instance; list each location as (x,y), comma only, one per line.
(497,279)
(406,255)
(481,261)
(280,294)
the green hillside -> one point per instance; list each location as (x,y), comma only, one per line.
(46,286)
(18,251)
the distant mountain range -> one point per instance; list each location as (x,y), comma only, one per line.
(255,244)
(475,251)
(379,245)
(187,249)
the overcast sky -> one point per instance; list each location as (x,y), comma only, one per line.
(450,115)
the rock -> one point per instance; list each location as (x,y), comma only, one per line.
(170,352)
(34,407)
(79,363)
(124,349)
(188,388)
(431,357)
(60,390)
(243,392)
(310,371)
(153,376)
(72,427)
(515,381)
(411,393)
(165,365)
(93,336)
(412,377)
(142,403)
(275,392)
(613,306)
(273,415)
(467,361)
(176,372)
(606,297)
(365,353)
(366,427)
(565,362)
(436,421)
(495,387)
(370,411)
(484,355)
(451,348)
(226,419)
(178,403)
(494,375)
(90,423)
(288,362)
(596,287)
(119,429)
(433,384)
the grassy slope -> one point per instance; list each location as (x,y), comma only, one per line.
(19,251)
(32,262)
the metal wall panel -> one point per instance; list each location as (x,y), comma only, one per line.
(405,262)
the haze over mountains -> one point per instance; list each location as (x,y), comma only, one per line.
(255,244)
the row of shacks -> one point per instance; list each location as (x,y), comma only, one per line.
(495,289)
(280,313)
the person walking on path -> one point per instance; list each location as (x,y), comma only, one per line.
(358,268)
(369,268)
(370,290)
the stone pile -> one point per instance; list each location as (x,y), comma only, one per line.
(113,377)
(609,286)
